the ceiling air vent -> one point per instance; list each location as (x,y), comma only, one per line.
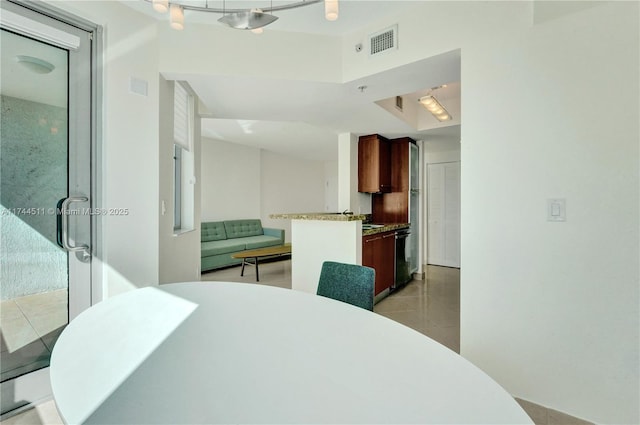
(383,41)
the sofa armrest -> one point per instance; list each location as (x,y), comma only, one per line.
(277,233)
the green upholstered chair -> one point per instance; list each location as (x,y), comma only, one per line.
(349,283)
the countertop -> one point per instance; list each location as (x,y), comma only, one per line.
(320,216)
(324,216)
(385,228)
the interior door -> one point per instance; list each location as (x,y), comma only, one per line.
(443,209)
(45,194)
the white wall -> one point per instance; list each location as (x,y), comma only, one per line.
(331,186)
(549,309)
(437,157)
(275,54)
(339,241)
(179,254)
(432,27)
(290,185)
(129,143)
(231,175)
(348,196)
(244,182)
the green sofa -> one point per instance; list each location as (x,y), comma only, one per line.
(220,239)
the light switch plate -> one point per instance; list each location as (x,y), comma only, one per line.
(556,209)
(138,86)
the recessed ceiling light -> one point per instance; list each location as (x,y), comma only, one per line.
(36,65)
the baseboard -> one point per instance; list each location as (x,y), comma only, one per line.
(418,276)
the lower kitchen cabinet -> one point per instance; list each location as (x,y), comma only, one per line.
(378,252)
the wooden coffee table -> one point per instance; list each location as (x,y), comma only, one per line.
(256,254)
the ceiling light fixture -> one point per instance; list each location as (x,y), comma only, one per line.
(432,105)
(331,10)
(248,20)
(176,17)
(160,5)
(36,65)
(245,19)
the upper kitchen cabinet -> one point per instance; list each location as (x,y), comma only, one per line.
(400,160)
(394,207)
(374,164)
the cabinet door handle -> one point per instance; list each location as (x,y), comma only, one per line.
(372,239)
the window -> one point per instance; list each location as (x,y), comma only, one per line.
(183,160)
(177,185)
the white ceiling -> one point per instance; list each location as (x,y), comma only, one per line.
(18,81)
(302,118)
(295,118)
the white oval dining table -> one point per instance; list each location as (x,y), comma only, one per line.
(221,352)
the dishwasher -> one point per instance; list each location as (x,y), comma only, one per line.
(402,274)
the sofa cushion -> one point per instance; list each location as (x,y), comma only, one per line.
(212,231)
(221,247)
(254,242)
(243,228)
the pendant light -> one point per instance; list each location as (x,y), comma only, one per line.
(176,17)
(246,19)
(160,5)
(331,10)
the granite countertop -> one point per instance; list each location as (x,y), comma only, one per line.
(385,228)
(320,216)
(324,216)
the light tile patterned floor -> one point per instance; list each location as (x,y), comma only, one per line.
(29,327)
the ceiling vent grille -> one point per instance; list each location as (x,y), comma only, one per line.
(383,41)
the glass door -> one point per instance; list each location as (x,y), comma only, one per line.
(45,194)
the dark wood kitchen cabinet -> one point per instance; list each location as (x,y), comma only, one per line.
(394,207)
(374,164)
(378,252)
(400,160)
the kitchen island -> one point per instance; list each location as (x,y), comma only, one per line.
(320,237)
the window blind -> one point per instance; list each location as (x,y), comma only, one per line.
(181,117)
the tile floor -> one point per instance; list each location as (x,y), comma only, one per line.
(431,307)
(42,414)
(29,326)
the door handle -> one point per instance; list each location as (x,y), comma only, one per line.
(63,222)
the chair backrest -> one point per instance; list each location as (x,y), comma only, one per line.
(349,283)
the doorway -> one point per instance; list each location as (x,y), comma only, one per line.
(47,220)
(443,214)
